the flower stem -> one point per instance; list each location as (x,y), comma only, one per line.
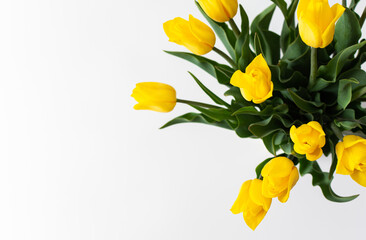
(344,3)
(292,11)
(362,18)
(227,58)
(313,67)
(336,131)
(234,27)
(198,104)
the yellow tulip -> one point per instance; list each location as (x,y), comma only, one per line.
(279,176)
(351,154)
(252,203)
(255,84)
(308,139)
(220,10)
(317,21)
(193,34)
(154,96)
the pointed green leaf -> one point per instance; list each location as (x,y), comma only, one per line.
(347,31)
(221,72)
(322,180)
(345,92)
(303,104)
(196,118)
(213,96)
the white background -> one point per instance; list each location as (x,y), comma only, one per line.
(77,162)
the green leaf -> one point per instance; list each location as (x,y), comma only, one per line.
(270,125)
(244,21)
(196,118)
(347,31)
(259,168)
(217,114)
(271,46)
(262,21)
(322,180)
(213,96)
(225,34)
(305,105)
(353,4)
(251,110)
(333,166)
(345,92)
(244,121)
(282,5)
(221,72)
(258,46)
(328,73)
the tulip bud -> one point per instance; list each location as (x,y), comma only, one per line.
(252,203)
(279,177)
(193,34)
(154,96)
(351,154)
(308,139)
(255,84)
(317,21)
(220,10)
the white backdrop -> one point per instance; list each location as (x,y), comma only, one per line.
(77,162)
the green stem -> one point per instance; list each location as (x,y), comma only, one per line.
(198,104)
(291,13)
(363,17)
(344,3)
(336,131)
(313,67)
(227,58)
(234,27)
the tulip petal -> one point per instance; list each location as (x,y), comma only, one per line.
(309,32)
(214,9)
(230,7)
(294,177)
(328,34)
(341,169)
(359,177)
(255,192)
(259,63)
(269,94)
(242,198)
(278,167)
(202,32)
(254,220)
(314,155)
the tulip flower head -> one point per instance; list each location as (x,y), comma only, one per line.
(154,96)
(193,34)
(279,176)
(255,84)
(252,203)
(317,21)
(351,154)
(308,139)
(220,10)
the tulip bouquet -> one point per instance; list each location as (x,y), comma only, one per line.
(300,92)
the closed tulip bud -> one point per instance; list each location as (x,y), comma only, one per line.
(255,84)
(351,154)
(279,177)
(193,34)
(220,10)
(252,203)
(308,139)
(317,21)
(154,96)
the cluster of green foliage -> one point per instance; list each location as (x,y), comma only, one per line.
(335,101)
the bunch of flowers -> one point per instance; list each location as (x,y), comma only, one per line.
(300,92)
